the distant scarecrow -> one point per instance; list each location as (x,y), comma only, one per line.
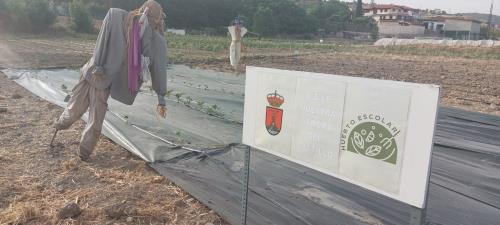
(128,43)
(237,31)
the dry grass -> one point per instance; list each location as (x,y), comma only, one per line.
(37,181)
(19,213)
(69,165)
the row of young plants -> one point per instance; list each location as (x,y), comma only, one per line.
(188,101)
(221,43)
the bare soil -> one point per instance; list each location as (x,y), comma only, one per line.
(468,83)
(115,187)
(471,84)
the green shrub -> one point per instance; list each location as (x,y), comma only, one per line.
(81,20)
(29,15)
(98,10)
(330,16)
(364,24)
(3,9)
(264,22)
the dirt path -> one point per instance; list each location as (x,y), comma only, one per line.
(114,188)
(29,53)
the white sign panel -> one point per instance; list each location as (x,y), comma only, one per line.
(373,133)
(374,128)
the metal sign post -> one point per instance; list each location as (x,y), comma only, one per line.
(417,216)
(246,176)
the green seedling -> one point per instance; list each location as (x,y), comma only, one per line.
(188,101)
(178,96)
(178,134)
(201,104)
(214,111)
(169,93)
(211,111)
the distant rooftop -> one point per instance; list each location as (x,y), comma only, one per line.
(450,17)
(386,6)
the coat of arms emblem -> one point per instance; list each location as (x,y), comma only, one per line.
(274,114)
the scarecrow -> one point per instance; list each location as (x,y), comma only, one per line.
(127,43)
(237,31)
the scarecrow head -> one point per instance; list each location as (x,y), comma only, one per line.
(155,15)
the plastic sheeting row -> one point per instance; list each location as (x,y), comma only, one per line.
(450,43)
(464,187)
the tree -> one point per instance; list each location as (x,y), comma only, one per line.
(331,16)
(359,9)
(248,8)
(80,17)
(365,24)
(29,15)
(199,14)
(280,16)
(263,21)
(3,9)
(41,16)
(485,33)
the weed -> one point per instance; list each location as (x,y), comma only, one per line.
(214,111)
(178,134)
(188,101)
(201,104)
(169,93)
(211,111)
(178,96)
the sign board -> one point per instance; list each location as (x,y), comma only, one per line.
(377,134)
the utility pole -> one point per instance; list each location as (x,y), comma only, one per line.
(489,21)
(359,8)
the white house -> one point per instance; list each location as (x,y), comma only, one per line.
(456,27)
(395,20)
(387,12)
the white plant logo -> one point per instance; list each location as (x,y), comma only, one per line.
(372,137)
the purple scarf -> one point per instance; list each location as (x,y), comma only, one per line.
(134,58)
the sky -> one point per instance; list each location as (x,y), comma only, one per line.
(450,6)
